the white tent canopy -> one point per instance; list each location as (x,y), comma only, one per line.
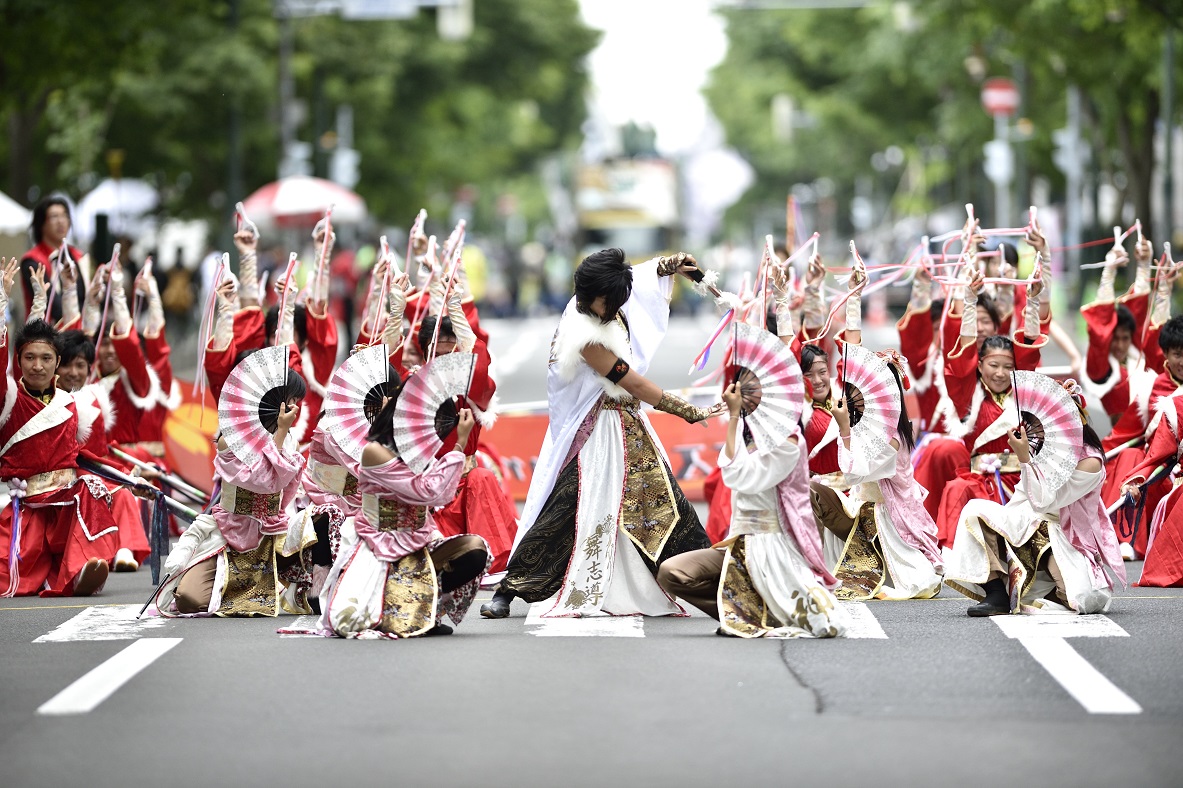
(14,217)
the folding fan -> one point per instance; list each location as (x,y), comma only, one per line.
(240,408)
(426,411)
(872,397)
(354,397)
(770,384)
(1054,429)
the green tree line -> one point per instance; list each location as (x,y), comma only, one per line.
(163,81)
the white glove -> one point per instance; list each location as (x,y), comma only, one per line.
(285,332)
(1031,315)
(969,313)
(854,312)
(815,307)
(121,322)
(37,310)
(465,336)
(1160,311)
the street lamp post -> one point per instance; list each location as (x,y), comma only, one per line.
(1000,98)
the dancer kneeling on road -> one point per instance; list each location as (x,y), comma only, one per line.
(1051,547)
(401,578)
(231,562)
(768,578)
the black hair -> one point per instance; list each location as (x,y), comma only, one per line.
(427,328)
(904,425)
(996,342)
(382,427)
(1125,319)
(74,344)
(299,324)
(810,354)
(372,404)
(937,310)
(38,331)
(269,403)
(1093,440)
(1171,336)
(987,303)
(1007,251)
(41,210)
(604,273)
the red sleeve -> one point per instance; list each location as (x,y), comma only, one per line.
(1027,353)
(159,357)
(1117,399)
(1101,320)
(961,375)
(1164,445)
(483,387)
(250,330)
(4,378)
(1151,352)
(322,345)
(132,359)
(218,365)
(950,335)
(916,336)
(1139,306)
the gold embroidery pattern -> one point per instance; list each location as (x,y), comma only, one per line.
(1023,562)
(395,515)
(350,485)
(648,512)
(861,566)
(742,610)
(409,599)
(253,504)
(252,584)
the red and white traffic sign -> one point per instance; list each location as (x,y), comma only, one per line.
(1000,96)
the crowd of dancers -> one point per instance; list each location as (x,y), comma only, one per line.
(365,492)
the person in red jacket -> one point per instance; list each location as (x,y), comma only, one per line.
(50,226)
(61,542)
(1164,556)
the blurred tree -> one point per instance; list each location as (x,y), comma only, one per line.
(908,74)
(158,80)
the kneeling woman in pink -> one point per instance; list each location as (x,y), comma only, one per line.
(402,578)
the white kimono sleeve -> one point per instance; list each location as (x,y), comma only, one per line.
(750,474)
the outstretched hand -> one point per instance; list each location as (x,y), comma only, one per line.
(464,425)
(12,267)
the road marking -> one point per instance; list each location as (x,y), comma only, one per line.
(584,627)
(1044,638)
(57,607)
(115,622)
(99,684)
(863,623)
(302,627)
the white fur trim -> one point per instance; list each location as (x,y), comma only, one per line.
(102,399)
(88,411)
(709,279)
(1006,421)
(577,331)
(1164,406)
(173,400)
(487,417)
(9,398)
(146,402)
(959,428)
(1099,390)
(1141,385)
(921,383)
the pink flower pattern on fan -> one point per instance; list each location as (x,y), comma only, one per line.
(238,407)
(442,379)
(782,388)
(869,373)
(344,418)
(1063,431)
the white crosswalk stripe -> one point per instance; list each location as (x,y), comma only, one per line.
(105,622)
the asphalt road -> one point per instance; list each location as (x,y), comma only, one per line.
(930,697)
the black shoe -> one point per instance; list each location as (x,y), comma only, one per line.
(996,603)
(498,606)
(438,629)
(723,633)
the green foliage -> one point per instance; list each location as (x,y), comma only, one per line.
(899,73)
(160,80)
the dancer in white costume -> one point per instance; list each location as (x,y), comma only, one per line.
(1050,548)
(603,509)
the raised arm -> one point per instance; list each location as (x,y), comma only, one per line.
(616,370)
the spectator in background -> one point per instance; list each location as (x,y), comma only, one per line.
(49,228)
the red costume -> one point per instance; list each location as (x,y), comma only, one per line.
(64,518)
(1164,558)
(985,420)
